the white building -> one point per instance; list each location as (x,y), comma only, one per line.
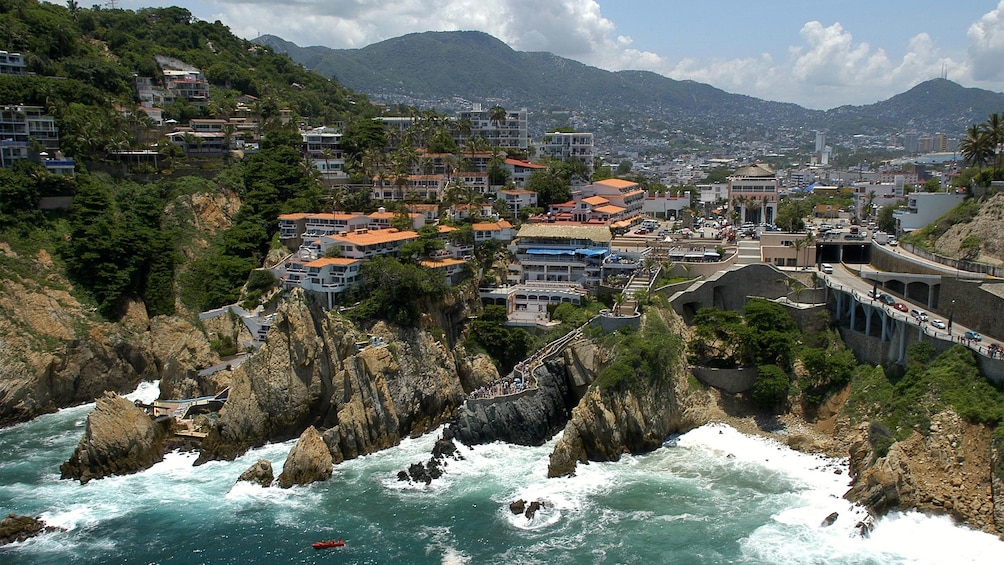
(922,208)
(753,191)
(565,146)
(511,133)
(565,253)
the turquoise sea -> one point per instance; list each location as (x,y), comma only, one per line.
(712,495)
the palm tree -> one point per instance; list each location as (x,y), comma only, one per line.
(995,130)
(977,146)
(497,116)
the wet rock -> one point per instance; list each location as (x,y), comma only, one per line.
(517,507)
(260,473)
(531,510)
(830,520)
(120,439)
(16,528)
(309,461)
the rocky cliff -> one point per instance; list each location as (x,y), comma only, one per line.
(309,373)
(120,439)
(631,415)
(531,417)
(55,352)
(948,471)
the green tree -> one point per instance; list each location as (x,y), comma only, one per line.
(550,187)
(771,387)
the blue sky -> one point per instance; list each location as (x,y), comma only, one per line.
(820,54)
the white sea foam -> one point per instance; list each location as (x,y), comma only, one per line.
(146,392)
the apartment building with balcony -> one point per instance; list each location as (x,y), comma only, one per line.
(518,199)
(520,171)
(565,146)
(23,123)
(12,64)
(327,277)
(619,192)
(512,133)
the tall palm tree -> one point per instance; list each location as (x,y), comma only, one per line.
(977,146)
(995,130)
(497,116)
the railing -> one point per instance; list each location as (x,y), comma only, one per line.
(926,327)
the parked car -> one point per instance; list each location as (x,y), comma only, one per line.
(871,293)
(900,306)
(975,336)
(826,268)
(919,314)
(886,299)
(938,324)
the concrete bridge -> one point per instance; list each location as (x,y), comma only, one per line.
(881,334)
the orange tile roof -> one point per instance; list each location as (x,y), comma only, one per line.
(296,216)
(434,263)
(527,164)
(344,261)
(484,226)
(447,229)
(609,209)
(595,200)
(617,183)
(375,237)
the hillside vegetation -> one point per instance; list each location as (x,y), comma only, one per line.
(116,242)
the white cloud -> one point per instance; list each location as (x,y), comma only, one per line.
(986,46)
(823,67)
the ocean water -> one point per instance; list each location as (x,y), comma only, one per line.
(712,495)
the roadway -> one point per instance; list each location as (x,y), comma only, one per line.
(845,279)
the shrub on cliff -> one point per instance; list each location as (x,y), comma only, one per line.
(642,357)
(771,387)
(951,380)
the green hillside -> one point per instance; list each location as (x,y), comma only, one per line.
(126,238)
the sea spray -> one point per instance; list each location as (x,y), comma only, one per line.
(712,495)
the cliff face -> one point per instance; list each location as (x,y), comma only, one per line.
(53,353)
(120,439)
(949,471)
(308,373)
(626,418)
(529,418)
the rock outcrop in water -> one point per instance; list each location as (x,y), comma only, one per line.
(309,373)
(260,473)
(309,461)
(16,528)
(120,439)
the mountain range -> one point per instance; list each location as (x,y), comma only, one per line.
(450,70)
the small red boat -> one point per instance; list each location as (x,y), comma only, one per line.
(328,543)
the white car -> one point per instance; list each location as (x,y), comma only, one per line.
(938,324)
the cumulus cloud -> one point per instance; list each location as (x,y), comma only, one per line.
(824,66)
(986,45)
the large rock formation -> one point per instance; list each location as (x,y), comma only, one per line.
(613,420)
(120,438)
(529,418)
(949,470)
(309,461)
(309,373)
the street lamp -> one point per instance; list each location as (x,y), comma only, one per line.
(951,314)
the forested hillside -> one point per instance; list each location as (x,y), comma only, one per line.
(138,237)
